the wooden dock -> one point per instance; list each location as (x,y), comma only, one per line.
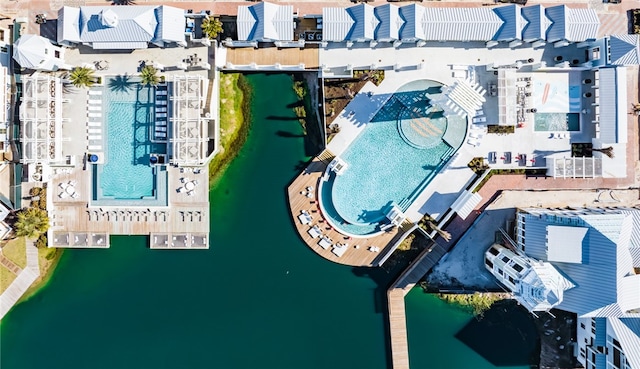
(270,56)
(395,295)
(358,252)
(22,282)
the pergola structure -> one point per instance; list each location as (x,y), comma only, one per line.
(575,167)
(190,133)
(41,117)
(507,97)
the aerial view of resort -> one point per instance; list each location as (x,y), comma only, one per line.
(309,185)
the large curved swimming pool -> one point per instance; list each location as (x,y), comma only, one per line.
(392,160)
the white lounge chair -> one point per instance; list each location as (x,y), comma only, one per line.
(94,124)
(95,92)
(161,135)
(161,115)
(94,147)
(95,137)
(161,129)
(161,102)
(94,108)
(479,119)
(161,109)
(95,102)
(95,130)
(94,115)
(161,92)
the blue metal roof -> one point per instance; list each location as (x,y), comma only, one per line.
(624,49)
(575,25)
(414,19)
(513,24)
(538,23)
(390,22)
(365,22)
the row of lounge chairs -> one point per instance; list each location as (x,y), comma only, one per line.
(160,131)
(94,121)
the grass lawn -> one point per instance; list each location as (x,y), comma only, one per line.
(6,277)
(234,119)
(16,251)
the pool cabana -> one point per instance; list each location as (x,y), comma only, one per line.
(190,134)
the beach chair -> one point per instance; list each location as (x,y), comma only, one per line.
(161,115)
(95,137)
(95,102)
(161,102)
(94,148)
(161,135)
(161,109)
(95,92)
(161,129)
(94,108)
(94,115)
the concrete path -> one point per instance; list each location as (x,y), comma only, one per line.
(23,281)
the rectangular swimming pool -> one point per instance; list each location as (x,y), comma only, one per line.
(557,122)
(126,173)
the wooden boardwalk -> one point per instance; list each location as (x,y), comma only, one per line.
(270,56)
(22,282)
(395,295)
(358,253)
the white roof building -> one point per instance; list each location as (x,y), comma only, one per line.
(572,25)
(415,18)
(121,28)
(265,22)
(38,53)
(356,23)
(461,24)
(390,22)
(584,261)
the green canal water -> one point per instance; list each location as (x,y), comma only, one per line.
(258,298)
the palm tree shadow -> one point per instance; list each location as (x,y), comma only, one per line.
(120,83)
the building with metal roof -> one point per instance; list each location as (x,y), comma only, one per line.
(337,23)
(38,53)
(265,22)
(571,25)
(615,50)
(590,271)
(608,340)
(366,22)
(537,24)
(390,22)
(461,24)
(414,18)
(121,28)
(514,23)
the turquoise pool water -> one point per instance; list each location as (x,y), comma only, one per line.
(392,160)
(557,122)
(126,173)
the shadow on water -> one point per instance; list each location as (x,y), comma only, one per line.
(383,279)
(287,134)
(279,118)
(505,336)
(295,104)
(121,83)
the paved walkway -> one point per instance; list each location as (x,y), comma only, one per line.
(24,280)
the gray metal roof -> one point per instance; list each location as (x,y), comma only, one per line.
(461,24)
(390,22)
(575,25)
(624,49)
(365,22)
(513,24)
(538,23)
(336,24)
(265,21)
(604,287)
(613,127)
(114,27)
(414,17)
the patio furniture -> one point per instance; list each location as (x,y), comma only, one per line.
(314,232)
(325,243)
(304,218)
(339,250)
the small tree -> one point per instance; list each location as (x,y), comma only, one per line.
(608,151)
(212,27)
(82,77)
(149,75)
(31,223)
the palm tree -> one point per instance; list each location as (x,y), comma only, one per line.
(82,77)
(149,75)
(608,151)
(31,223)
(212,27)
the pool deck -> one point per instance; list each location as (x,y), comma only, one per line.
(298,202)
